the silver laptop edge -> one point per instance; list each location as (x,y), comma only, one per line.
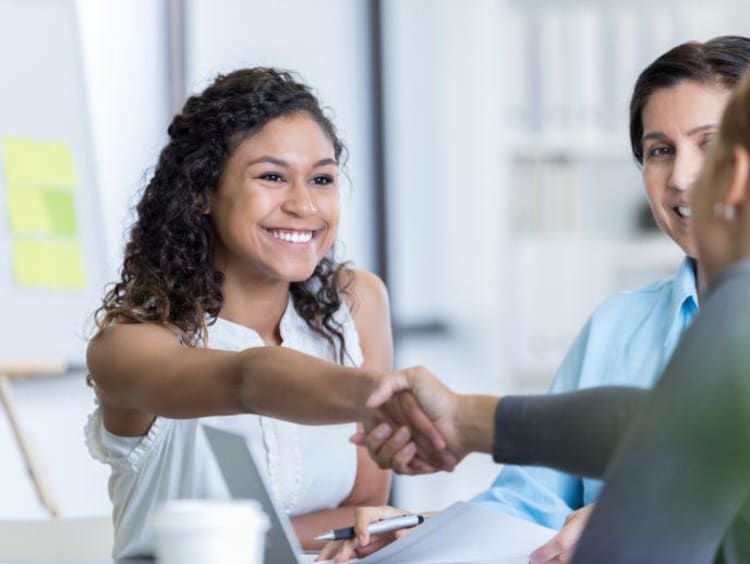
(244,481)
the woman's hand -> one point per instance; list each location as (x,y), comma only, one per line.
(426,426)
(559,549)
(405,439)
(362,544)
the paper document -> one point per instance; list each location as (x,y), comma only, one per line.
(467,533)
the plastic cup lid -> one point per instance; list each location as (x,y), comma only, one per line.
(207,514)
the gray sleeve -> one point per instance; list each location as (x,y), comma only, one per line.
(574,432)
(678,484)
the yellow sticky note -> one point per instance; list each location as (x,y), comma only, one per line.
(41,212)
(49,264)
(30,164)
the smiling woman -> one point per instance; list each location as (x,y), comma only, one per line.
(276,208)
(231,308)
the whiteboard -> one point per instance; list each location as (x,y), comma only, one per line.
(43,104)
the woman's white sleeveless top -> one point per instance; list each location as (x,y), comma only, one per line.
(309,468)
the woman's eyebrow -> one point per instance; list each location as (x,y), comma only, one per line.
(653,135)
(268,159)
(281,162)
(661,136)
(702,128)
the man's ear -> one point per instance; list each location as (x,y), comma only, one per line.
(738,192)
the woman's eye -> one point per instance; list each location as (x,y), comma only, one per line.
(323,180)
(659,151)
(272,177)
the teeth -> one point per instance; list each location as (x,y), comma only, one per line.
(684,211)
(292,236)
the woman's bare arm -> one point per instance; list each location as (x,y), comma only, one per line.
(141,371)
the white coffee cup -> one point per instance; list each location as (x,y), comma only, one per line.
(204,531)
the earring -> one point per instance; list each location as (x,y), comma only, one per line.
(727,213)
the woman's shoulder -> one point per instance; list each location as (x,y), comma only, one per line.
(124,340)
(367,299)
(129,334)
(364,292)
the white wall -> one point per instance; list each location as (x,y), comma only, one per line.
(444,97)
(123,43)
(125,62)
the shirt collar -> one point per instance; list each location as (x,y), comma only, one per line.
(685,289)
(684,305)
(241,333)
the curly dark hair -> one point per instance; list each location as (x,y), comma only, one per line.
(721,61)
(168,275)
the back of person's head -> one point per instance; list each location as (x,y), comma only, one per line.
(720,62)
(720,194)
(734,131)
(735,123)
(168,274)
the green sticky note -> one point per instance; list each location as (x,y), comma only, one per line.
(48,264)
(41,212)
(61,211)
(29,164)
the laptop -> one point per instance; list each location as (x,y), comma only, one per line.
(457,534)
(246,482)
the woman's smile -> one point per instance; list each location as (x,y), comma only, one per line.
(295,236)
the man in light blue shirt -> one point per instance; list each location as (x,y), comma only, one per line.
(619,345)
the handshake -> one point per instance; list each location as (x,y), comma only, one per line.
(415,424)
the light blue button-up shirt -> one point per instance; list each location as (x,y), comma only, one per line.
(627,341)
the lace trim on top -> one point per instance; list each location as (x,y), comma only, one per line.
(289,328)
(97,449)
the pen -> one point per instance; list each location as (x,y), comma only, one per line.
(382,526)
